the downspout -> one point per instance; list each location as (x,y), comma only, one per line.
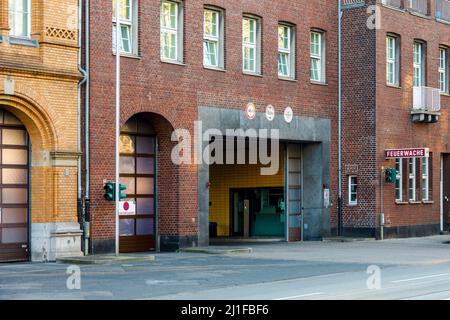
(86,127)
(80,206)
(340,202)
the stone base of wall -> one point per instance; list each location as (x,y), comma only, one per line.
(392,232)
(173,243)
(50,241)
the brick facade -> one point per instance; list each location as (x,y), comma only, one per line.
(39,84)
(384,112)
(172,93)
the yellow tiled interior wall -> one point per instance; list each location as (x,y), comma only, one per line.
(226,177)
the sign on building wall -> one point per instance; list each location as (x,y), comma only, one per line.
(408,153)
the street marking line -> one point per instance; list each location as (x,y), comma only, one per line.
(302,296)
(422,278)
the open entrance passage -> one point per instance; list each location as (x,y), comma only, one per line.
(244,203)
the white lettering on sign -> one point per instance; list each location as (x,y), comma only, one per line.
(408,153)
(127,208)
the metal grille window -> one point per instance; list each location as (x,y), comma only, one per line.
(20,18)
(419,66)
(412,180)
(285,51)
(392,61)
(425,179)
(317,57)
(399,180)
(353,190)
(250,44)
(443,70)
(170,30)
(212,38)
(126,25)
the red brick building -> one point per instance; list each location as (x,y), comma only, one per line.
(396,96)
(187,61)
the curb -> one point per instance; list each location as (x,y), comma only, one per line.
(101,259)
(217,251)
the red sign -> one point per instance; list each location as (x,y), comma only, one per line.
(408,153)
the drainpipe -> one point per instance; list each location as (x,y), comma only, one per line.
(87,214)
(80,206)
(340,202)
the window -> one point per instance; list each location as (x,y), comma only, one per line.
(352,190)
(317,53)
(419,64)
(399,180)
(425,179)
(392,61)
(443,70)
(250,45)
(127,26)
(412,180)
(286,52)
(20,18)
(171,31)
(213,39)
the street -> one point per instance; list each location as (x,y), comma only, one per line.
(416,268)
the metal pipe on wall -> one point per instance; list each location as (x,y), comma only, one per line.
(340,202)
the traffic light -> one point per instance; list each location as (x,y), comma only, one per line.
(391,175)
(110,191)
(122,195)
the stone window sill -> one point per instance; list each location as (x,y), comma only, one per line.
(401,202)
(172,62)
(287,79)
(214,69)
(28,42)
(318,83)
(393,86)
(245,73)
(428,202)
(415,202)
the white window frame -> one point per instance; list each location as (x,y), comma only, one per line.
(443,70)
(15,17)
(426,179)
(419,64)
(392,60)
(412,169)
(131,26)
(399,180)
(177,31)
(352,182)
(252,45)
(318,57)
(217,39)
(288,51)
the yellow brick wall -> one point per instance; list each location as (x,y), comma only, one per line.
(45,99)
(226,177)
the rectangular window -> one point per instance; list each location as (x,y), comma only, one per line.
(399,180)
(412,179)
(171,31)
(250,45)
(425,179)
(286,52)
(213,39)
(317,55)
(127,26)
(20,18)
(443,70)
(392,61)
(352,190)
(419,64)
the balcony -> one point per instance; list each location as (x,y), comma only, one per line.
(426,105)
(417,6)
(443,10)
(398,4)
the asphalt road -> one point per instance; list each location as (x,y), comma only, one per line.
(393,269)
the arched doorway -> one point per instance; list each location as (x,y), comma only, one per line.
(14,195)
(138,174)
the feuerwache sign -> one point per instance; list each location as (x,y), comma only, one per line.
(408,153)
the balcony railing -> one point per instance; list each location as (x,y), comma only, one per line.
(394,3)
(443,10)
(419,6)
(426,104)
